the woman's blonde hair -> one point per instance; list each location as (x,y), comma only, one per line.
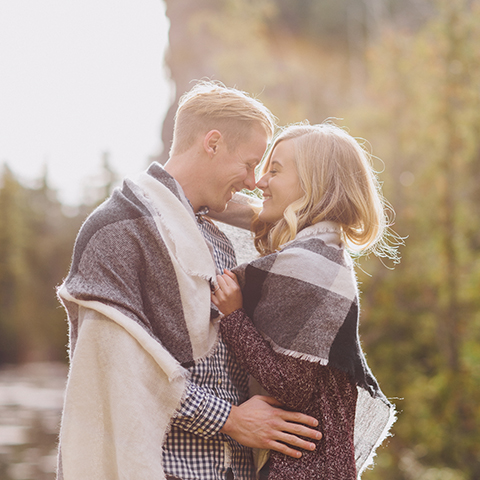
(340,185)
(211,105)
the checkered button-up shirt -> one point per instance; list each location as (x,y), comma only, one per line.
(194,449)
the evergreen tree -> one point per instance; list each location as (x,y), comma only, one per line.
(36,243)
(421,324)
(13,263)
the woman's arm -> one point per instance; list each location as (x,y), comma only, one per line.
(290,380)
(230,303)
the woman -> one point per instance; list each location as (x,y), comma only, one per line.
(293,323)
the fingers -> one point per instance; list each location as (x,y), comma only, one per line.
(284,437)
(259,423)
(228,278)
(270,400)
(286,443)
(291,426)
(231,275)
(294,430)
(295,417)
(227,285)
(291,443)
(290,431)
(228,296)
(222,284)
(219,288)
(214,299)
(285,449)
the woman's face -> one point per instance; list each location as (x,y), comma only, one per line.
(280,185)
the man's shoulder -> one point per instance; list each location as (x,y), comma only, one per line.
(121,206)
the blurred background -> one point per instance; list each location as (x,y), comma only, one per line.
(88,95)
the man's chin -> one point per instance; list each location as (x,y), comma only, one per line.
(218,208)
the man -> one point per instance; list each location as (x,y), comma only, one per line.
(146,365)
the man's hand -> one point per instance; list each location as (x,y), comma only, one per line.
(259,423)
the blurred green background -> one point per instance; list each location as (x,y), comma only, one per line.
(405,76)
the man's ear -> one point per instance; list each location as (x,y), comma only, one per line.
(211,142)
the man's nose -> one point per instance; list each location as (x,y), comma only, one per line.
(250,181)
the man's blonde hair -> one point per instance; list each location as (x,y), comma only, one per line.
(213,106)
(340,185)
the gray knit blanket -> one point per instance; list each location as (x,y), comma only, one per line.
(304,300)
(138,304)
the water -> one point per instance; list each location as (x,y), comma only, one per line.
(31,400)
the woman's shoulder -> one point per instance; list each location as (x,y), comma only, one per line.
(321,233)
(323,238)
(315,251)
(312,245)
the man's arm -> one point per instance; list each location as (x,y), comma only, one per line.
(239,211)
(257,423)
(201,413)
(260,423)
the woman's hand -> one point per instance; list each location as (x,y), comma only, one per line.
(227,296)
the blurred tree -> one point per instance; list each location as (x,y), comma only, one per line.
(423,325)
(305,58)
(13,262)
(48,252)
(37,235)
(34,256)
(99,186)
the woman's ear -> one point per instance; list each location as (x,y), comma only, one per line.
(211,142)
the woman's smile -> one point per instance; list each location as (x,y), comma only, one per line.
(280,185)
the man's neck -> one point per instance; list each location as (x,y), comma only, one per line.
(183,168)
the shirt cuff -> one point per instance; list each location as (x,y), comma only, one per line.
(201,413)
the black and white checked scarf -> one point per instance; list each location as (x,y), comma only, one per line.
(304,300)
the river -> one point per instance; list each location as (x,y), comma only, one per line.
(31,399)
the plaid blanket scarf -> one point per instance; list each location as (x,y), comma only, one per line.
(138,304)
(304,300)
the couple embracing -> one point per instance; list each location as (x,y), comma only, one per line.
(166,330)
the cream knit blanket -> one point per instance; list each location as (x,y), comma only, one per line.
(138,304)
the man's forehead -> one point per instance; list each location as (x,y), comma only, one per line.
(253,157)
(254,148)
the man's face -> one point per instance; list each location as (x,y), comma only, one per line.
(235,170)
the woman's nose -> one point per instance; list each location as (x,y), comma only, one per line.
(262,182)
